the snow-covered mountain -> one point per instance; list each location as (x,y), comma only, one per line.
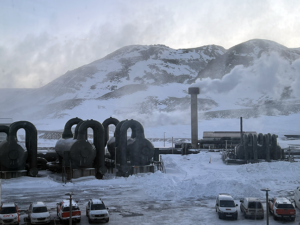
(246,54)
(150,83)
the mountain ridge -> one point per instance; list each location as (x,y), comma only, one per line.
(142,79)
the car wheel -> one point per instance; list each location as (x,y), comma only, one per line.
(220,217)
(90,221)
(275,217)
(108,220)
(86,212)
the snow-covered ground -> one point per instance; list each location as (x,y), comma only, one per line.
(185,194)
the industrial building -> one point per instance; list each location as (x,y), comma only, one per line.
(222,139)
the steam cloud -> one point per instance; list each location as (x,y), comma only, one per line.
(268,78)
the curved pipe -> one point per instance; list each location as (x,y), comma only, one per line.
(31,142)
(67,133)
(105,124)
(98,142)
(267,146)
(260,139)
(245,143)
(255,156)
(137,128)
(4,129)
(250,142)
(77,128)
(117,132)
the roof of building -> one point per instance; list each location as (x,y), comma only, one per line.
(220,134)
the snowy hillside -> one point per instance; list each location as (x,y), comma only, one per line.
(258,79)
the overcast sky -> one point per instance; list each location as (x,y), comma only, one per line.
(41,40)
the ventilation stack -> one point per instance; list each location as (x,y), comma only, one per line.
(194,91)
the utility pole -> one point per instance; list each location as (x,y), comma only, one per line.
(267,199)
(70,208)
(164,139)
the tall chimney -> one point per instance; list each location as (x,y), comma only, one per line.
(241,123)
(194,91)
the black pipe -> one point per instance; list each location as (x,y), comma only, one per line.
(241,124)
(245,144)
(67,133)
(138,130)
(267,146)
(255,157)
(31,142)
(98,142)
(250,143)
(77,128)
(117,132)
(105,124)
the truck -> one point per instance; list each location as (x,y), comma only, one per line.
(281,207)
(63,211)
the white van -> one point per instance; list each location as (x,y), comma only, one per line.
(252,208)
(226,207)
(297,197)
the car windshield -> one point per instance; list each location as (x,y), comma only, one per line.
(255,205)
(39,209)
(74,208)
(98,206)
(285,206)
(7,210)
(227,203)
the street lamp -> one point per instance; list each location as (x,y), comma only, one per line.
(70,208)
(164,139)
(267,199)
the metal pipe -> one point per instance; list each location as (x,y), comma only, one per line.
(98,142)
(67,133)
(106,123)
(31,142)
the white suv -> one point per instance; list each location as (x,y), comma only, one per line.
(226,207)
(9,214)
(38,213)
(96,211)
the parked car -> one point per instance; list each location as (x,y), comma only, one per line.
(297,197)
(96,211)
(251,208)
(282,208)
(9,214)
(38,213)
(226,207)
(63,211)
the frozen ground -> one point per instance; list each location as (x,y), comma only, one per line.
(184,195)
